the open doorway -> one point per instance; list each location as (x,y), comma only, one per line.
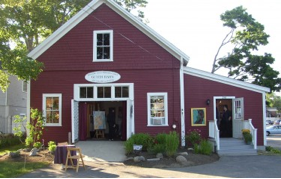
(93,120)
(224,117)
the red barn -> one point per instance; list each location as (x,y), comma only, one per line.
(104,60)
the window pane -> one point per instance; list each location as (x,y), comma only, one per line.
(55,103)
(107,92)
(118,92)
(106,39)
(125,92)
(48,117)
(55,116)
(99,39)
(90,92)
(49,103)
(100,92)
(106,53)
(99,52)
(83,92)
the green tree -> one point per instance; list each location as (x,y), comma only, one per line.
(25,23)
(245,36)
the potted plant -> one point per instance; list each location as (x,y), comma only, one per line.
(247,136)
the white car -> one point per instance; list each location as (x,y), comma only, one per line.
(273,130)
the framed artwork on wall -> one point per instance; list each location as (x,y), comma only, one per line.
(198,116)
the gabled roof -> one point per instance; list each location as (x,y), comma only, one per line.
(87,10)
(225,80)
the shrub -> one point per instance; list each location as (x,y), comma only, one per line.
(193,137)
(158,144)
(273,150)
(247,137)
(172,143)
(7,140)
(52,146)
(37,145)
(205,147)
(139,139)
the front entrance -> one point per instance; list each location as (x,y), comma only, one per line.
(94,120)
(230,121)
(90,107)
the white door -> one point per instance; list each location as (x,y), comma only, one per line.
(130,118)
(74,120)
(238,117)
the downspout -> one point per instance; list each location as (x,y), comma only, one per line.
(264,118)
(182,97)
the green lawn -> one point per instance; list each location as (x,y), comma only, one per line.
(11,148)
(15,169)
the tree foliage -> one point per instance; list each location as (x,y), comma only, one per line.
(26,23)
(245,36)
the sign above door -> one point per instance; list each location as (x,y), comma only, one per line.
(102,76)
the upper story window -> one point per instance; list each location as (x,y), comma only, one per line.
(52,109)
(103,46)
(24,86)
(157,109)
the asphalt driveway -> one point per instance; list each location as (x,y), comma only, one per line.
(259,166)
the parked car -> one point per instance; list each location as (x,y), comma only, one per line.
(277,122)
(273,130)
(269,122)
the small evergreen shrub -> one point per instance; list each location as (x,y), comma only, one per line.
(193,137)
(129,146)
(205,147)
(37,145)
(172,143)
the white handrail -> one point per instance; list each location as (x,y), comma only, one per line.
(253,131)
(214,132)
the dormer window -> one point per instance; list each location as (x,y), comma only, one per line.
(103,46)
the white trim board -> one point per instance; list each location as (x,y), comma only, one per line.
(225,80)
(87,10)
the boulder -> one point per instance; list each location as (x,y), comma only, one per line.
(33,152)
(181,160)
(14,154)
(139,159)
(159,155)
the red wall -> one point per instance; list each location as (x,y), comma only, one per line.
(70,59)
(198,90)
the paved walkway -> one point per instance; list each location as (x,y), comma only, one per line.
(103,161)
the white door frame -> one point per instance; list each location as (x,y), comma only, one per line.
(215,104)
(130,100)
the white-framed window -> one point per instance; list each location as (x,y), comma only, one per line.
(103,46)
(157,109)
(113,91)
(24,86)
(52,109)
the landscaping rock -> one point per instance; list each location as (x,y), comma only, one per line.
(33,152)
(153,159)
(190,149)
(159,155)
(139,159)
(26,150)
(181,160)
(14,154)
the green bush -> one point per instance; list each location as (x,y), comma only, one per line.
(273,150)
(205,147)
(172,143)
(193,137)
(158,144)
(247,137)
(139,139)
(7,140)
(52,146)
(37,145)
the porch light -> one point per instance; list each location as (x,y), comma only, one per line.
(208,101)
(174,126)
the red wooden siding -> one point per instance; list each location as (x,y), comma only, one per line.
(198,90)
(70,59)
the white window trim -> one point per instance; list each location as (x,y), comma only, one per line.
(165,108)
(95,47)
(112,85)
(60,108)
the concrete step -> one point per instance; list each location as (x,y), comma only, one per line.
(235,147)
